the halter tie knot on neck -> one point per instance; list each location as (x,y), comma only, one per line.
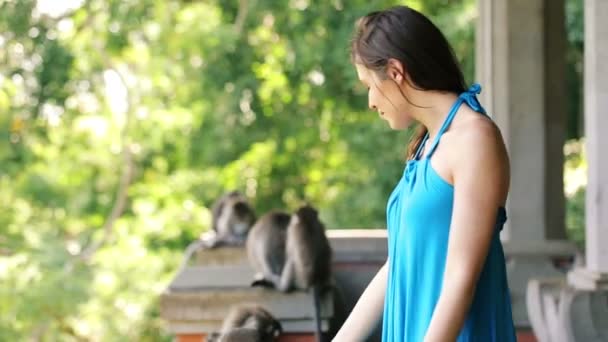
(470,97)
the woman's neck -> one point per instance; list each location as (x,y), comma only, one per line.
(435,108)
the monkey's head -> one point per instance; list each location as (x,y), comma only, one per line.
(256,318)
(237,215)
(309,216)
(272,331)
(213,337)
(268,327)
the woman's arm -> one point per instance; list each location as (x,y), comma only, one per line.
(367,312)
(481,182)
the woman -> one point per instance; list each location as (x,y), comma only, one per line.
(445,277)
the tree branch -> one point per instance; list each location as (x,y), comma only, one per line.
(117,209)
(241,16)
(123,185)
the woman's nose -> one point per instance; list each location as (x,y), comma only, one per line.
(371,105)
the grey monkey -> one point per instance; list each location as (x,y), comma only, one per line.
(232,218)
(308,253)
(266,247)
(248,323)
(308,258)
(291,252)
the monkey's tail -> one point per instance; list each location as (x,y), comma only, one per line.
(192,247)
(316,293)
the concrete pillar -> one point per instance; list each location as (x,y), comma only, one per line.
(595,274)
(596,129)
(520,64)
(556,104)
(579,312)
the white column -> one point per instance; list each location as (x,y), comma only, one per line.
(595,274)
(512,76)
(576,311)
(512,54)
(596,131)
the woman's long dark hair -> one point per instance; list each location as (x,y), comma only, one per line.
(411,38)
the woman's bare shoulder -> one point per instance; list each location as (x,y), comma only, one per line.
(479,148)
(477,132)
(475,143)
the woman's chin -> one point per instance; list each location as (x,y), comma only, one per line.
(398,126)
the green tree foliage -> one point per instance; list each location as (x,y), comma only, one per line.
(575,168)
(122,120)
(574,72)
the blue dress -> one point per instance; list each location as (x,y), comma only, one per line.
(419,212)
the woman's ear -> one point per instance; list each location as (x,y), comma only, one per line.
(395,70)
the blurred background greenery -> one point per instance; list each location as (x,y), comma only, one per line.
(122,120)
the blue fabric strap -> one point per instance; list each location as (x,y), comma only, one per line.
(421,146)
(470,98)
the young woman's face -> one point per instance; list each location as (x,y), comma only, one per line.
(385,97)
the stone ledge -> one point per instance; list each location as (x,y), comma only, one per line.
(289,326)
(550,248)
(214,304)
(235,256)
(213,280)
(356,245)
(348,245)
(204,310)
(205,278)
